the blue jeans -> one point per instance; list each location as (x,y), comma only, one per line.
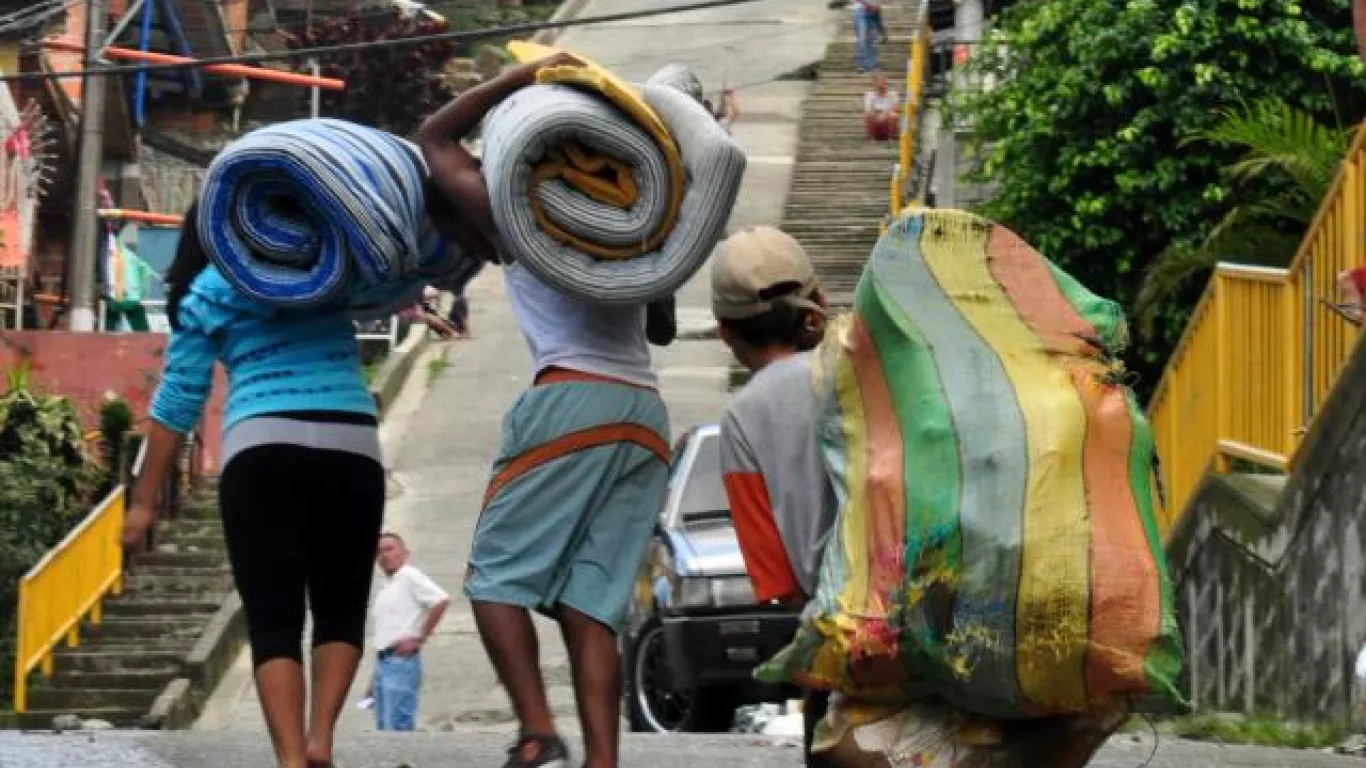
(397,679)
(865,40)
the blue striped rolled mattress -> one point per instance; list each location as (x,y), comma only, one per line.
(320,212)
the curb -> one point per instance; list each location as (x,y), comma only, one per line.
(567,10)
(393,374)
(182,700)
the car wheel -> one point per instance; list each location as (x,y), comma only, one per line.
(653,704)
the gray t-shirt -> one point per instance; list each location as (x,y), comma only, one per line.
(780,496)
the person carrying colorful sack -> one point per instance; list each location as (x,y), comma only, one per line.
(771,314)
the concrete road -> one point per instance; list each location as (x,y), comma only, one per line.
(468,749)
(442,437)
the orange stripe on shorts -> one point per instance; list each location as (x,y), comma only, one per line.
(593,437)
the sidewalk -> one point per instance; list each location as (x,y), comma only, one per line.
(440,442)
(169,749)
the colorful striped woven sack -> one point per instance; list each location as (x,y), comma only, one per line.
(996,542)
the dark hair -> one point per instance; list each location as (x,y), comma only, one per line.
(782,326)
(190,259)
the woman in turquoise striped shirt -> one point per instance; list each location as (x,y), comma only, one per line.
(302,487)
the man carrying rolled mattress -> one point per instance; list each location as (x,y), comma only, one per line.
(580,477)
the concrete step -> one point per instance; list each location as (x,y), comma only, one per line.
(42,696)
(181,558)
(208,542)
(159,628)
(153,679)
(191,527)
(798,215)
(82,659)
(200,509)
(173,584)
(132,644)
(120,717)
(136,605)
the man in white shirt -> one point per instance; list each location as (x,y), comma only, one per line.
(407,610)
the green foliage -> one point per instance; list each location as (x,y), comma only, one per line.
(375,94)
(1262,731)
(46,475)
(1288,163)
(116,418)
(1086,133)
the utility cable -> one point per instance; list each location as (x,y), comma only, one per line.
(306,53)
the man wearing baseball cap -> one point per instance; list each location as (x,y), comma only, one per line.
(771,314)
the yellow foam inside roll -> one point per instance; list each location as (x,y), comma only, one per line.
(603,179)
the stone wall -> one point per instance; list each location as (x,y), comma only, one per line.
(1270,594)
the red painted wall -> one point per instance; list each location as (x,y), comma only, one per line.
(84,366)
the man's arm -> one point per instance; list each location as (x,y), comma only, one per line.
(756,529)
(431,597)
(434,615)
(454,170)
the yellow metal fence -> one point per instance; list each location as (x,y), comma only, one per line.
(1262,351)
(65,587)
(916,74)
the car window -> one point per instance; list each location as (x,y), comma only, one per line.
(704,495)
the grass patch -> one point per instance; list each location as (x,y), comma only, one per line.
(1256,730)
(435,367)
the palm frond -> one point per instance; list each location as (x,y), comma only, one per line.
(1277,137)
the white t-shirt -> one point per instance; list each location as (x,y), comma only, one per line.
(402,604)
(887,102)
(564,332)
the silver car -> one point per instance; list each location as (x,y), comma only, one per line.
(695,632)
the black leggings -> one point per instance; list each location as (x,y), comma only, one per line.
(302,522)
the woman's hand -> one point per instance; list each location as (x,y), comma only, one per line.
(136,523)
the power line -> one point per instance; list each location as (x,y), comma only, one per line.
(305,53)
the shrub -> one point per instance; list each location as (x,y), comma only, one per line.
(46,479)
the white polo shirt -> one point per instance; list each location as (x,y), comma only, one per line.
(402,604)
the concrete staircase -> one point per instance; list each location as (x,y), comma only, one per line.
(148,638)
(841,182)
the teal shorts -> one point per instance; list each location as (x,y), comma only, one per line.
(574,496)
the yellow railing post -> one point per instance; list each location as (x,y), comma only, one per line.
(20,672)
(1293,365)
(1222,414)
(910,114)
